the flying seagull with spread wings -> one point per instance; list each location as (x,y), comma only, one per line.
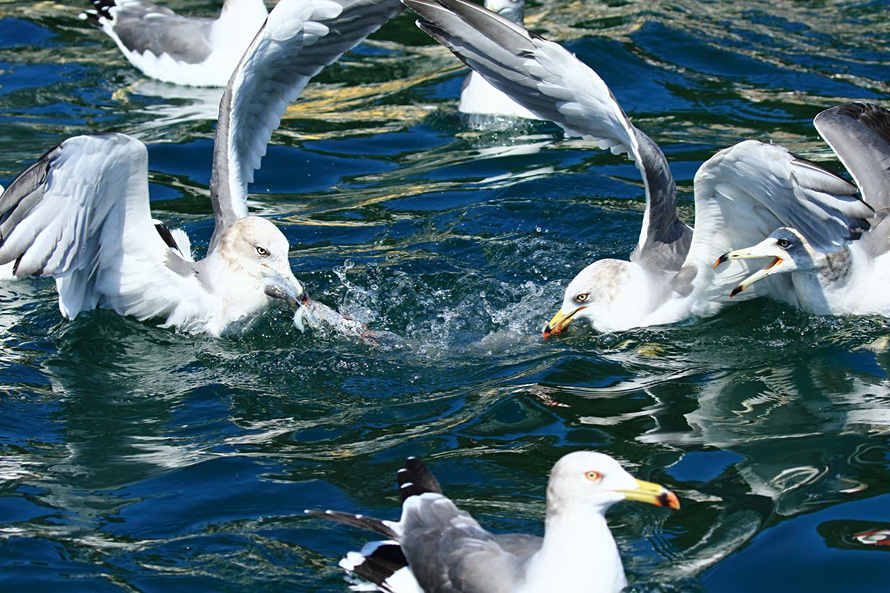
(182,50)
(854,279)
(742,194)
(81,213)
(435,546)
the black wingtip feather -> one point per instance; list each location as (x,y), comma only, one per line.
(361,521)
(415,479)
(167,236)
(381,565)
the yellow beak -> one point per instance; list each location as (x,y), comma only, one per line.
(559,322)
(652,494)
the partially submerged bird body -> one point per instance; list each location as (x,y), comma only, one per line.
(477,96)
(190,51)
(742,194)
(852,278)
(851,281)
(442,548)
(81,214)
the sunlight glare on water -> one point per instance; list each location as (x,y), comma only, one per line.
(136,458)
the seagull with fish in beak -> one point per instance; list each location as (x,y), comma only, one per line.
(81,214)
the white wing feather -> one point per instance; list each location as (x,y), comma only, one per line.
(299,38)
(81,215)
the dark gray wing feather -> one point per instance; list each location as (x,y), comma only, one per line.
(859,133)
(550,82)
(360,521)
(448,551)
(295,43)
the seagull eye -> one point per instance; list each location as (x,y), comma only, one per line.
(582,297)
(593,476)
(784,243)
(262,251)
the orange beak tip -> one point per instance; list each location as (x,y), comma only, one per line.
(670,500)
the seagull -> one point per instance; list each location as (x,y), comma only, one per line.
(742,193)
(853,279)
(435,546)
(477,96)
(81,213)
(181,50)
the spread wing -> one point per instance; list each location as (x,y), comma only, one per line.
(299,38)
(81,215)
(859,133)
(549,81)
(745,192)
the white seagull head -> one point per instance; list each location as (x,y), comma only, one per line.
(586,478)
(256,249)
(790,253)
(592,296)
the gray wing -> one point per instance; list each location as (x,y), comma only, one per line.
(448,551)
(143,26)
(859,133)
(299,38)
(549,81)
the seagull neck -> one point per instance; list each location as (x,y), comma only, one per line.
(827,283)
(578,547)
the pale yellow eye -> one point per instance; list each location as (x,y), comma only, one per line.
(582,297)
(262,251)
(593,476)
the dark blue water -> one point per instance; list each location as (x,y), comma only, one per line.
(136,459)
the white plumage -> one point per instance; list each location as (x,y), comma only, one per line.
(81,213)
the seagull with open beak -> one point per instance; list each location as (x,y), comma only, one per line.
(849,281)
(782,246)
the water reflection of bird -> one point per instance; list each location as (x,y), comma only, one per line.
(477,96)
(851,280)
(173,48)
(438,547)
(81,213)
(745,191)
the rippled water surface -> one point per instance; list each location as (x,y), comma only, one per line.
(134,458)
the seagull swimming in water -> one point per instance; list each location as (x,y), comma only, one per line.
(854,279)
(435,546)
(477,96)
(81,214)
(182,50)
(742,193)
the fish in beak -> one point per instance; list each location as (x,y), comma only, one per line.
(287,288)
(652,494)
(559,322)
